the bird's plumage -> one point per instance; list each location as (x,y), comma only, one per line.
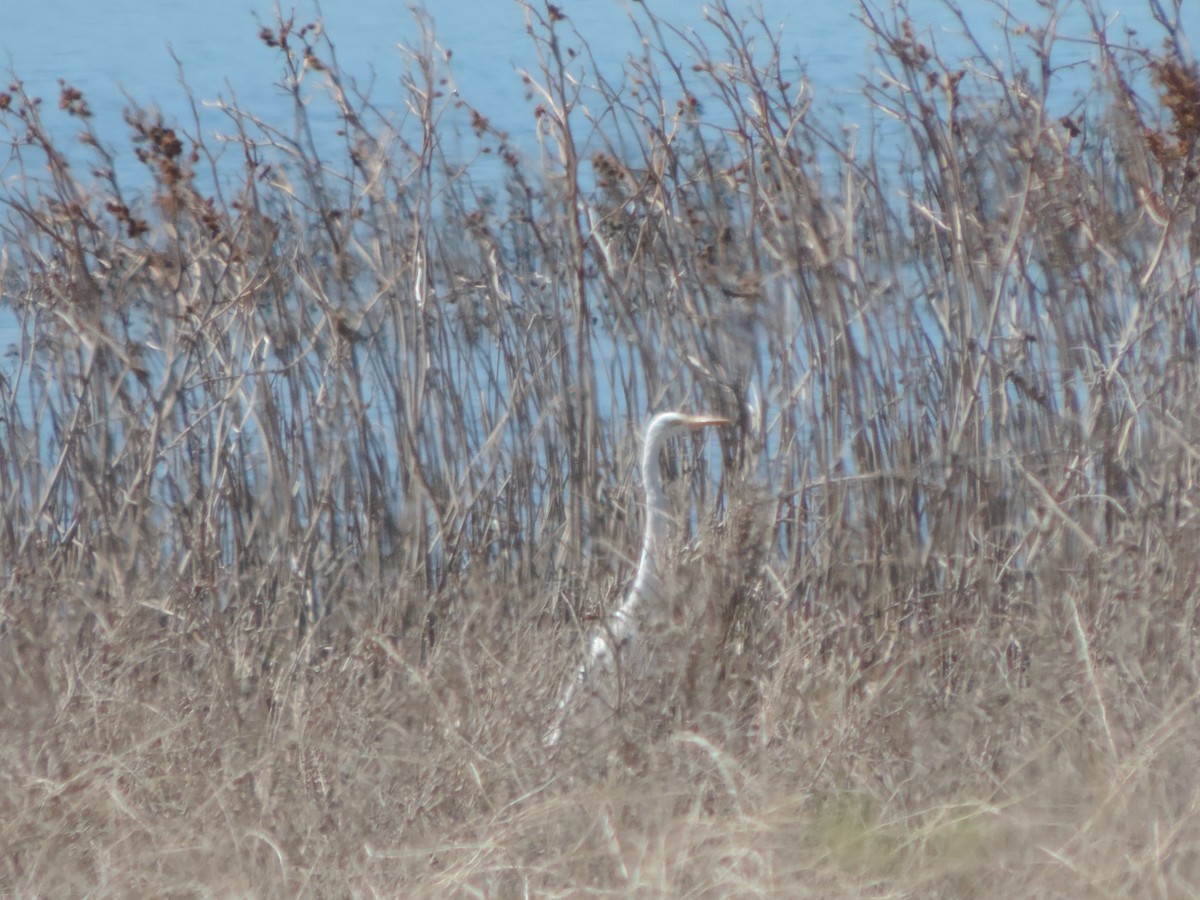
(648,583)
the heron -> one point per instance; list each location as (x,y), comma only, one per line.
(605,644)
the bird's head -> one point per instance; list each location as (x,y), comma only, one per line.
(669,424)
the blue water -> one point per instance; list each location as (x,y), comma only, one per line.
(143,51)
(131,48)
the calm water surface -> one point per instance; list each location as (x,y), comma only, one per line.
(141,50)
(130,46)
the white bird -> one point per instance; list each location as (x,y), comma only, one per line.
(648,583)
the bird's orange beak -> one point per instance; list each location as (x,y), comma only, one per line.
(705,420)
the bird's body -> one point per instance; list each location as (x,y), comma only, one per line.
(647,587)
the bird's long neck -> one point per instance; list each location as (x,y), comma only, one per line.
(658,526)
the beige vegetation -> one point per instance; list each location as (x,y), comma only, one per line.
(313,481)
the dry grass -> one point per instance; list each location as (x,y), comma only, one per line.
(311,481)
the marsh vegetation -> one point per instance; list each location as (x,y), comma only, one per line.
(316,466)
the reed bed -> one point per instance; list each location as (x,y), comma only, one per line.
(317,459)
